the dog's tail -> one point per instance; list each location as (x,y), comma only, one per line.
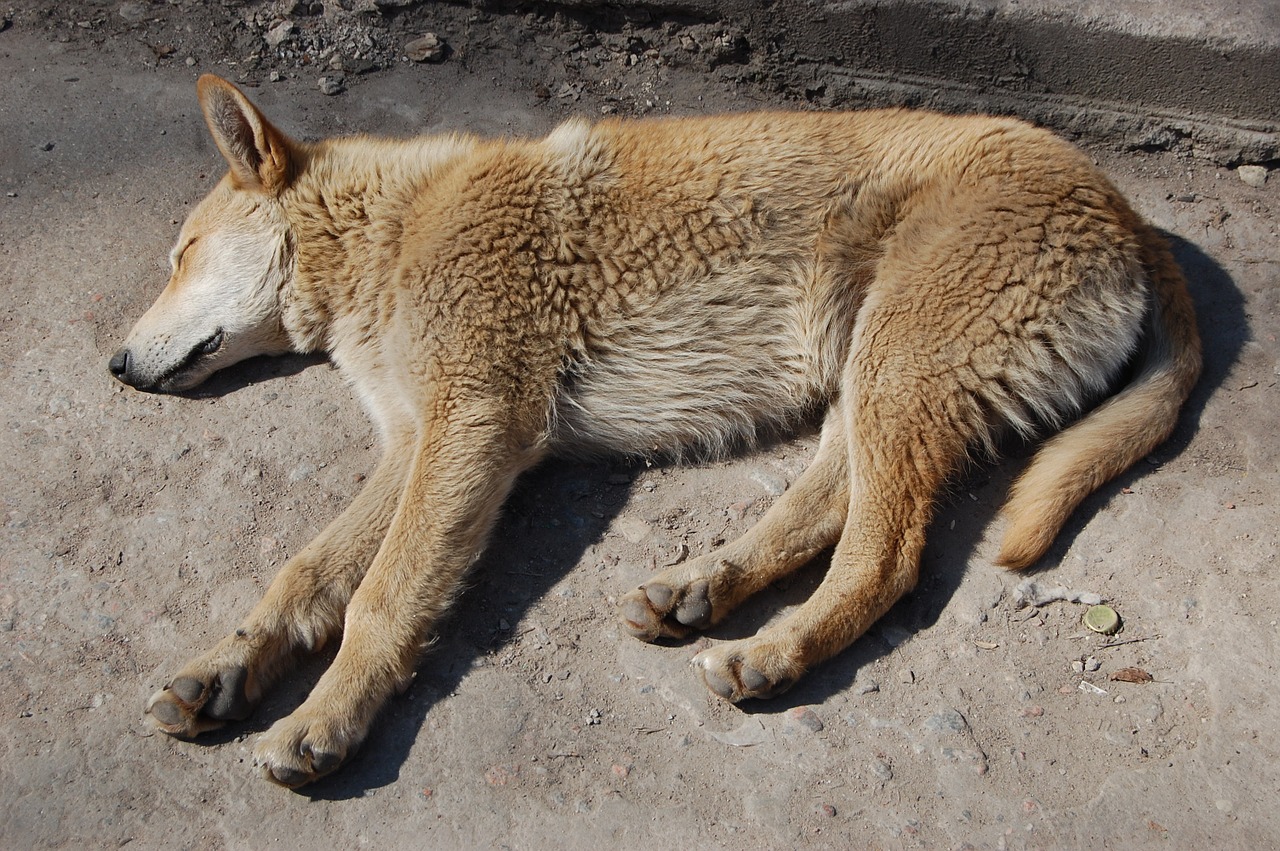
(1120,431)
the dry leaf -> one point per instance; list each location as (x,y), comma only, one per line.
(1131,675)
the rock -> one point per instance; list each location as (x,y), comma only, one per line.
(280,33)
(881,771)
(428,48)
(803,716)
(773,484)
(132,12)
(633,530)
(331,84)
(946,721)
(1252,175)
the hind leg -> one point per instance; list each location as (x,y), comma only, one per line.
(302,609)
(804,521)
(908,424)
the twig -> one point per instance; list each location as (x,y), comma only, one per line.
(1127,641)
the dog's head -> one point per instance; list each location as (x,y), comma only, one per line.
(232,260)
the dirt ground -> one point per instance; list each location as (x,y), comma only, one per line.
(138,528)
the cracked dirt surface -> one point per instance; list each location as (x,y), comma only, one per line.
(138,528)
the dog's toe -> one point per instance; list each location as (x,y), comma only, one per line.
(739,670)
(192,704)
(301,749)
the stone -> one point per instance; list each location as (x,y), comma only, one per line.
(633,530)
(774,485)
(946,721)
(1252,175)
(280,33)
(803,716)
(132,12)
(428,48)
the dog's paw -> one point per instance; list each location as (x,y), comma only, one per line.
(197,701)
(665,609)
(303,748)
(738,670)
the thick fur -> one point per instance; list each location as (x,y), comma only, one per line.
(663,286)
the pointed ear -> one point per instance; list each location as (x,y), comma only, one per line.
(260,156)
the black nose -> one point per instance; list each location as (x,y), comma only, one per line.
(119,365)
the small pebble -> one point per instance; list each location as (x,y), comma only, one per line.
(946,721)
(881,770)
(280,33)
(1033,712)
(774,485)
(828,810)
(906,676)
(868,687)
(633,529)
(1252,175)
(806,718)
(132,12)
(428,48)
(332,85)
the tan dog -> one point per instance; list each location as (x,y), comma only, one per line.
(634,287)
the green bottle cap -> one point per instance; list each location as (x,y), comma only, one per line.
(1102,619)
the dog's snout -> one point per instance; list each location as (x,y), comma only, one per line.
(119,365)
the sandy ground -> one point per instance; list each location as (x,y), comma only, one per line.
(138,528)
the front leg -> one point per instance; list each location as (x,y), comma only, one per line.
(302,609)
(463,469)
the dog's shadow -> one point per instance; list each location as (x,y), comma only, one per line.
(561,509)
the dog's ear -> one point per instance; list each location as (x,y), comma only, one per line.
(260,156)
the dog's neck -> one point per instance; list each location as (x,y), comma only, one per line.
(346,209)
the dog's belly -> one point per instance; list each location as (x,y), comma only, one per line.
(707,366)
